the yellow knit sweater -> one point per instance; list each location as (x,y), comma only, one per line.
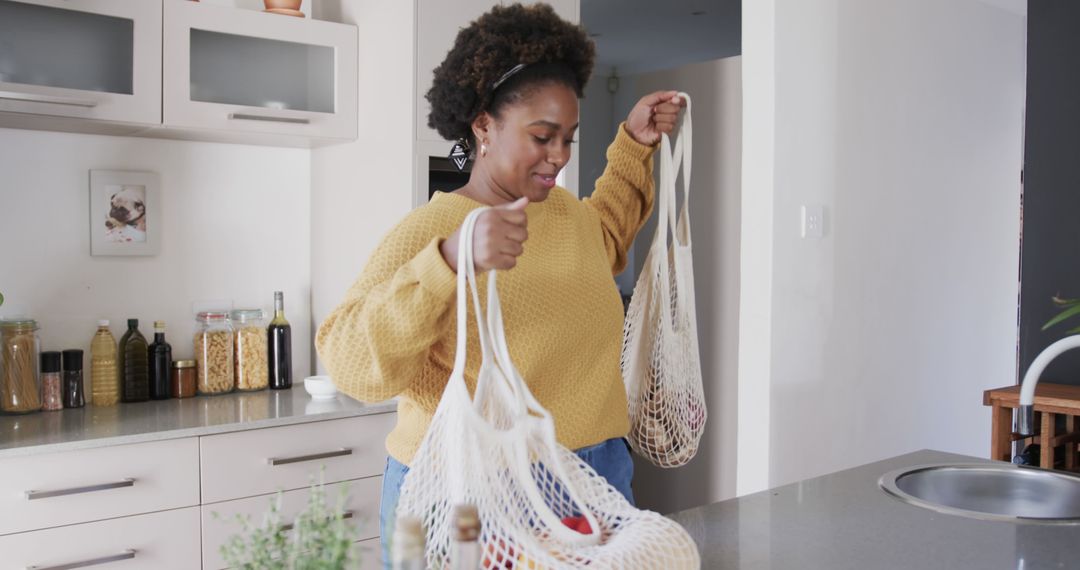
(394,334)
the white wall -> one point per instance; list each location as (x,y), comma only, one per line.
(360,190)
(904,120)
(235,227)
(715,88)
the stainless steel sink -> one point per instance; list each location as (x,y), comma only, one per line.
(989,491)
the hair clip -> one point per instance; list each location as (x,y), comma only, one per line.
(507,75)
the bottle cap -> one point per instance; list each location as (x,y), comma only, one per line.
(50,362)
(159,325)
(183,364)
(73,359)
(103,323)
(133,323)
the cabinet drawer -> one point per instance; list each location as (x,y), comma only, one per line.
(257,462)
(42,491)
(219,520)
(157,541)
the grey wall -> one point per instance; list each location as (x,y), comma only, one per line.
(1051,227)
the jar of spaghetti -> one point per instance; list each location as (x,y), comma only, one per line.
(20,351)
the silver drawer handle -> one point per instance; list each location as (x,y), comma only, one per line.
(125,555)
(35,98)
(31,495)
(344,516)
(312,457)
(268,118)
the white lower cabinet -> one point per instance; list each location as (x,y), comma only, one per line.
(256,462)
(219,520)
(142,505)
(165,540)
(43,491)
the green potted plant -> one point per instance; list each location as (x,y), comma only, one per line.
(320,538)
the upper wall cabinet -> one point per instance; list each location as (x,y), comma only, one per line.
(437,25)
(87,59)
(176,69)
(243,72)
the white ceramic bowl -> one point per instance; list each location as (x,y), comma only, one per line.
(320,387)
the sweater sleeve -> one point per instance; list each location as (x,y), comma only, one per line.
(623,198)
(376,342)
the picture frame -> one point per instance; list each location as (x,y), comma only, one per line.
(125,212)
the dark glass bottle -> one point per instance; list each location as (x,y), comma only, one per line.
(160,355)
(73,379)
(279,345)
(134,365)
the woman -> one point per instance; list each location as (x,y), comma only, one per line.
(509,90)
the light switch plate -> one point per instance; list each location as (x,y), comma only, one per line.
(813,221)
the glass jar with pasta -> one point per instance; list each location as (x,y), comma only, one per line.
(20,383)
(252,370)
(214,353)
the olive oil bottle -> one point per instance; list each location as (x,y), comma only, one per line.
(134,365)
(279,341)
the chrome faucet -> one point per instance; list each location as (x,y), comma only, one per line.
(1031,378)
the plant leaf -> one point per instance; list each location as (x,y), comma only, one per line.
(1067,313)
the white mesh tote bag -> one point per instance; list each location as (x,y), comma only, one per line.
(660,360)
(497,450)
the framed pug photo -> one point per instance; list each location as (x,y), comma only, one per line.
(125,213)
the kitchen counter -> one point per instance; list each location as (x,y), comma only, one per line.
(82,428)
(844,521)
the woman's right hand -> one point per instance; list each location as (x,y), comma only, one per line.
(498,240)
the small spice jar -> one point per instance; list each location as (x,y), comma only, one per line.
(214,353)
(183,379)
(73,379)
(51,393)
(20,348)
(252,369)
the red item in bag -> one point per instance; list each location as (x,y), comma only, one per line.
(580,524)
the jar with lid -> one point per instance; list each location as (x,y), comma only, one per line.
(51,382)
(252,370)
(20,351)
(214,353)
(73,378)
(182,383)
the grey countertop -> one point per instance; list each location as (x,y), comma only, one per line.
(46,432)
(844,521)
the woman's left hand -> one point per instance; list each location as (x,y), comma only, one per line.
(654,114)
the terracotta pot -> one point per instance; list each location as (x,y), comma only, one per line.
(282,4)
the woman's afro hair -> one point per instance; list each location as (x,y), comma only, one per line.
(552,49)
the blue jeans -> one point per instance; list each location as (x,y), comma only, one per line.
(611,459)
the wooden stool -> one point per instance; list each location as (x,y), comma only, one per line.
(1050,401)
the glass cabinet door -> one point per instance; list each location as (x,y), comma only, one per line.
(245,70)
(96,59)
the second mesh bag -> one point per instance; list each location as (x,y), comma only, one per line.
(497,450)
(660,360)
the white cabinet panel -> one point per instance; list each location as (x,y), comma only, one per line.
(40,491)
(437,24)
(167,540)
(244,464)
(245,71)
(84,59)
